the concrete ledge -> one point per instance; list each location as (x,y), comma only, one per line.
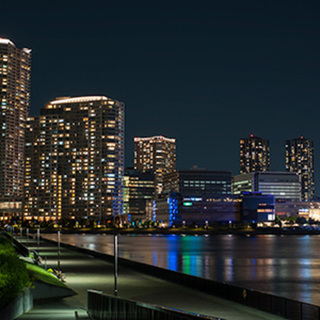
(20,305)
(43,290)
(23,250)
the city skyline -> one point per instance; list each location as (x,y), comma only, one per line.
(249,162)
(249,68)
(175,141)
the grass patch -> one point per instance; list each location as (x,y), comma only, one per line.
(38,273)
(13,274)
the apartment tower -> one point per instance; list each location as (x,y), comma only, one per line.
(156,154)
(299,159)
(75,160)
(254,154)
(15,69)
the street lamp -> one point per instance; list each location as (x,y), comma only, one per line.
(58,250)
(27,237)
(115,246)
(38,237)
(116,252)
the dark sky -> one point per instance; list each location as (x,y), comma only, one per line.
(204,72)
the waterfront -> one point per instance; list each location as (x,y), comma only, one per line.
(288,266)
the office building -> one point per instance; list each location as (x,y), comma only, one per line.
(75,160)
(156,154)
(199,183)
(177,209)
(196,196)
(299,159)
(15,70)
(138,195)
(254,154)
(282,185)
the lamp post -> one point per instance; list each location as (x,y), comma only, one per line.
(27,232)
(116,253)
(58,250)
(115,246)
(38,237)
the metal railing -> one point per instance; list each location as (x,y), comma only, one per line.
(107,307)
(284,307)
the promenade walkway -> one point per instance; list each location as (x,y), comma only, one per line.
(84,272)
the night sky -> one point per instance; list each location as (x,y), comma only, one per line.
(204,72)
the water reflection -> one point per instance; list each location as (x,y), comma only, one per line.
(172,261)
(286,265)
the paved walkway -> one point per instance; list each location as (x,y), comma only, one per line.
(84,272)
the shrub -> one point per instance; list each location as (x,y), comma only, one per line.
(13,273)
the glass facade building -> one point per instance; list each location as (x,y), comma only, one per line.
(75,160)
(15,71)
(299,159)
(254,154)
(282,185)
(199,183)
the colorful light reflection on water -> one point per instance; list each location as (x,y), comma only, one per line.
(284,265)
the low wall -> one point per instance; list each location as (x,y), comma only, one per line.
(20,305)
(23,250)
(44,290)
(281,306)
(107,307)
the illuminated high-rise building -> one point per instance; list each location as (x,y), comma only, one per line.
(156,154)
(75,160)
(15,70)
(254,154)
(299,159)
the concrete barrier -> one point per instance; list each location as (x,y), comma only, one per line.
(23,250)
(20,305)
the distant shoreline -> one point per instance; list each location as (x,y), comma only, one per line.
(171,231)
